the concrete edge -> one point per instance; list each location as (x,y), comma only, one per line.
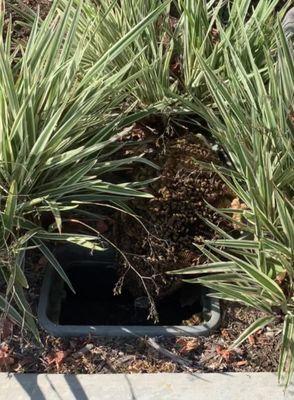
(212,386)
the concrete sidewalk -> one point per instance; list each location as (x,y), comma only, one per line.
(233,386)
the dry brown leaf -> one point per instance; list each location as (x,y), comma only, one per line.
(195,319)
(215,35)
(187,345)
(224,353)
(241,363)
(251,340)
(57,357)
(5,358)
(237,205)
(281,277)
(225,334)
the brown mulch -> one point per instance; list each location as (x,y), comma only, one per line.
(20,32)
(122,355)
(43,6)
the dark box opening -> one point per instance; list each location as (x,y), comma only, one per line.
(95,304)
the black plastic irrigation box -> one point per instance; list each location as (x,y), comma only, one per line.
(79,264)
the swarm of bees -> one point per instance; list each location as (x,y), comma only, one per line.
(173,217)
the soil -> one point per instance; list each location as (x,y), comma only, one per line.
(20,32)
(138,355)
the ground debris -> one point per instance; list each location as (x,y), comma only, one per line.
(137,355)
(5,356)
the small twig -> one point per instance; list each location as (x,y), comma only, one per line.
(84,350)
(174,357)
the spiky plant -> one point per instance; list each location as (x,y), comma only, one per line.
(253,121)
(165,55)
(58,129)
(104,23)
(208,28)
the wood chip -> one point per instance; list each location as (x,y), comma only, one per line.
(84,350)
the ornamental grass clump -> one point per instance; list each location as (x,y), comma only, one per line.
(207,28)
(166,53)
(59,129)
(164,56)
(253,120)
(106,22)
